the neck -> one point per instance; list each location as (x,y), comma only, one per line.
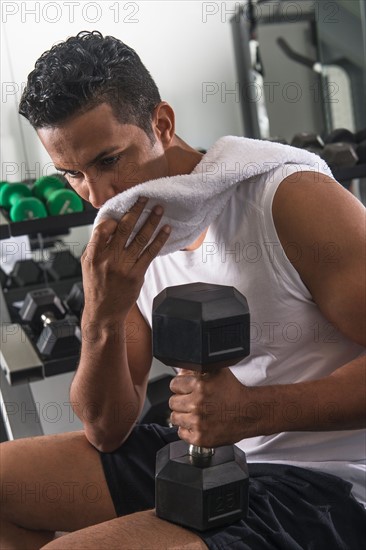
(182,158)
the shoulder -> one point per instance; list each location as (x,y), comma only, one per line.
(328,226)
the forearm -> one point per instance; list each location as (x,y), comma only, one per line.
(218,410)
(336,402)
(103,393)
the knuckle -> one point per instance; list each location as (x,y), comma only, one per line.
(141,239)
(124,228)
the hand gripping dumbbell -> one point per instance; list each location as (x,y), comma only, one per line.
(45,313)
(201,327)
(58,199)
(17,198)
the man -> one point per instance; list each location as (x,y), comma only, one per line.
(296,401)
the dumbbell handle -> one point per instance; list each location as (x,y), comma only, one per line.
(200,452)
(195,451)
(47,318)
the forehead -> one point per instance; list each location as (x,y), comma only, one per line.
(83,136)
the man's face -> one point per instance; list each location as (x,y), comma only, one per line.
(102,157)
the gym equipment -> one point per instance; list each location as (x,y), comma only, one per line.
(340,135)
(360,135)
(201,327)
(361,152)
(41,303)
(340,155)
(26,272)
(59,200)
(75,298)
(309,141)
(156,406)
(3,278)
(62,265)
(61,334)
(17,198)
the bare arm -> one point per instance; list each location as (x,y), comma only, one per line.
(109,387)
(306,212)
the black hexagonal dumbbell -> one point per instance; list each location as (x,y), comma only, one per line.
(340,155)
(26,272)
(44,312)
(63,265)
(156,406)
(309,141)
(340,135)
(201,327)
(75,298)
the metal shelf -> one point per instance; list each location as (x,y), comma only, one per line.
(44,225)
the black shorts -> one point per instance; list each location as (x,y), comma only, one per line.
(290,508)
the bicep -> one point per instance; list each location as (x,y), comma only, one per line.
(328,225)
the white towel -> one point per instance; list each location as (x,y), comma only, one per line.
(192,201)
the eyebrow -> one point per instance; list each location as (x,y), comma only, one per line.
(111,149)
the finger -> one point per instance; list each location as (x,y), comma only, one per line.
(99,239)
(143,237)
(181,403)
(128,221)
(181,419)
(182,384)
(154,247)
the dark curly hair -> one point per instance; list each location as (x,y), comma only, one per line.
(83,72)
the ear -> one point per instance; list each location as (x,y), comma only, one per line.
(163,123)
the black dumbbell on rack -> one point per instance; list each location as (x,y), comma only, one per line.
(59,333)
(62,265)
(26,273)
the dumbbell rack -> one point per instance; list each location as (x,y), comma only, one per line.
(24,389)
(51,223)
(27,394)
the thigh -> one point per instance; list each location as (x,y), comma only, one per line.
(53,483)
(137,531)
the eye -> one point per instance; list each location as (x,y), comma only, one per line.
(110,161)
(73,174)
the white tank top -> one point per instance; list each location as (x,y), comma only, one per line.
(291,341)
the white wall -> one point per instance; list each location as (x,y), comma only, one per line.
(184,44)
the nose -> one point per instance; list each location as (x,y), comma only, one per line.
(98,192)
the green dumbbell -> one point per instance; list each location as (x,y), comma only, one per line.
(17,198)
(58,199)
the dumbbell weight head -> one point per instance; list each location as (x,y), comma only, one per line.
(309,141)
(361,135)
(18,198)
(201,327)
(63,265)
(58,199)
(156,405)
(361,152)
(340,155)
(26,272)
(340,135)
(75,298)
(38,303)
(60,338)
(3,279)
